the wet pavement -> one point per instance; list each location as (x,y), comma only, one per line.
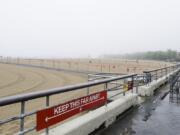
(153,117)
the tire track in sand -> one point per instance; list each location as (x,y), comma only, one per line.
(19,79)
(42,81)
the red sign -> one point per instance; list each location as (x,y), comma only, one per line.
(54,115)
(130,85)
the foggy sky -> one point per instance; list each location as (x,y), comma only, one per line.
(74,28)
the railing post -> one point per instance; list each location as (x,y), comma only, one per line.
(156,75)
(22,118)
(137,84)
(132,83)
(106,88)
(47,104)
(88,87)
(148,77)
(124,92)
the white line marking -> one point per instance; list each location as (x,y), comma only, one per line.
(47,119)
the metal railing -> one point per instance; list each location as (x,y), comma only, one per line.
(158,73)
(23,98)
(111,83)
(174,81)
(118,87)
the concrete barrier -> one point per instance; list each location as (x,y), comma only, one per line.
(92,120)
(148,90)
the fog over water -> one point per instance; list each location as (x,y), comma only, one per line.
(81,28)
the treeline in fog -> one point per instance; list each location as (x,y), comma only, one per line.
(169,55)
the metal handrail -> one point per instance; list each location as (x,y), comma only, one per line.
(157,73)
(149,71)
(33,95)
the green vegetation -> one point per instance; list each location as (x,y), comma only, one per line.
(169,55)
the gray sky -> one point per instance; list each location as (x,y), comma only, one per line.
(73,28)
